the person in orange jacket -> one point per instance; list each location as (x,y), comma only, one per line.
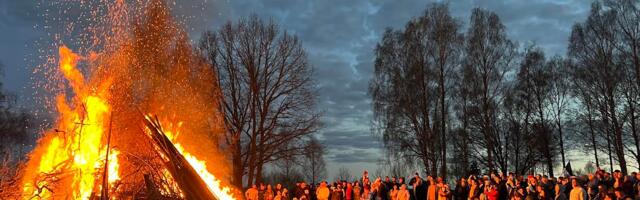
(252,193)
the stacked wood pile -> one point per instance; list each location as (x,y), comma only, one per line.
(192,186)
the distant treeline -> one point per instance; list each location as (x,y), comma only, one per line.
(452,101)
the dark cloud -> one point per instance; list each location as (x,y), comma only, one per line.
(348,140)
(339,36)
(360,156)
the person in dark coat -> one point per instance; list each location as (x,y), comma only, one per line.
(383,191)
(461,191)
(419,188)
(501,184)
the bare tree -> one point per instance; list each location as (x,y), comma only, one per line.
(447,45)
(488,57)
(414,68)
(627,41)
(462,134)
(267,93)
(523,152)
(589,130)
(402,103)
(534,82)
(313,163)
(592,47)
(559,96)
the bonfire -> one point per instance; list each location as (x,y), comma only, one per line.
(137,60)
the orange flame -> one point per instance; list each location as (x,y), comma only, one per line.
(77,146)
(214,184)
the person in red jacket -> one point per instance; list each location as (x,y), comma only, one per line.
(491,192)
(349,192)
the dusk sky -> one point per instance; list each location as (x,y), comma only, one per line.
(339,36)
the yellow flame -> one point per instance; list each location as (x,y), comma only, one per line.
(113,167)
(89,140)
(76,147)
(213,183)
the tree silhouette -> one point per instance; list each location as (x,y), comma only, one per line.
(267,93)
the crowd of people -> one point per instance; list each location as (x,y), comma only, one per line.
(600,185)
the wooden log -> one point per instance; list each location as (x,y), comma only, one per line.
(192,186)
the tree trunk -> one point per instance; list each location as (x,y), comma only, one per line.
(251,153)
(434,166)
(465,138)
(490,156)
(488,121)
(505,165)
(593,135)
(610,152)
(617,130)
(609,132)
(548,142)
(238,168)
(443,116)
(259,172)
(465,151)
(260,163)
(517,148)
(636,62)
(251,173)
(487,125)
(559,122)
(620,152)
(550,165)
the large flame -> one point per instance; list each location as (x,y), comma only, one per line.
(77,146)
(136,58)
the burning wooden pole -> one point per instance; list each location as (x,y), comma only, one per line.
(104,193)
(192,186)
